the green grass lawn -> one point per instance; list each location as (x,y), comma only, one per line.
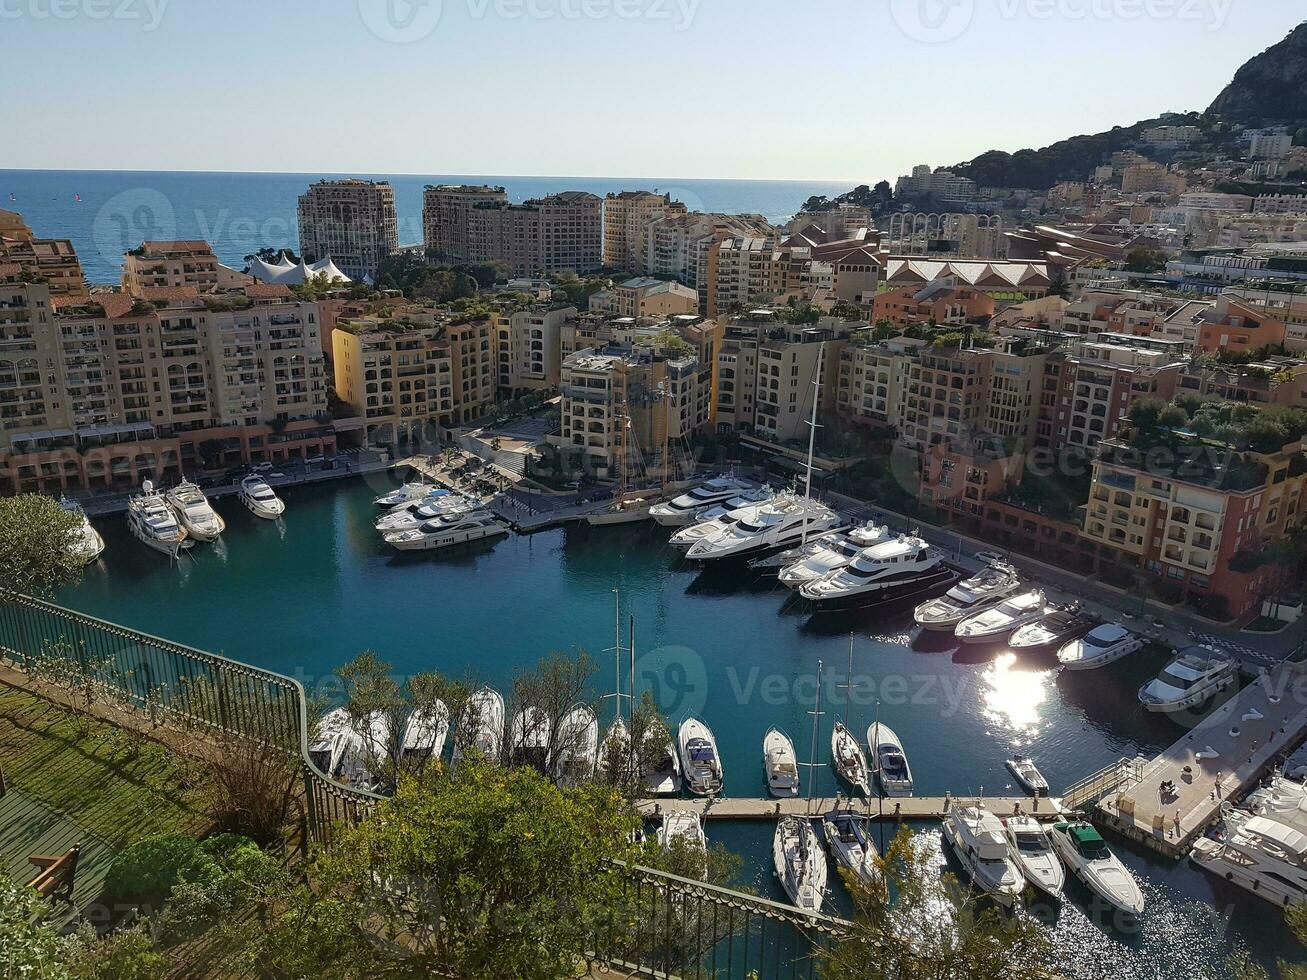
(93,775)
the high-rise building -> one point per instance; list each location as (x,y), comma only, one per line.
(51,259)
(352,222)
(191,263)
(445,210)
(528,345)
(625,217)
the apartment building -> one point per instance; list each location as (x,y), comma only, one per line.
(398,377)
(547,236)
(352,222)
(745,272)
(156,265)
(873,380)
(1280,303)
(473,376)
(626,216)
(645,297)
(836,222)
(52,259)
(102,392)
(1233,327)
(939,302)
(680,246)
(528,345)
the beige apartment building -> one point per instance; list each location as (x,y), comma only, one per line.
(159,265)
(352,222)
(528,347)
(645,297)
(553,235)
(99,393)
(52,259)
(625,217)
(873,380)
(745,272)
(397,378)
(445,212)
(679,246)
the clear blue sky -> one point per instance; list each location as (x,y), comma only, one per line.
(840,89)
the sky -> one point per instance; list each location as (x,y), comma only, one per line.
(854,90)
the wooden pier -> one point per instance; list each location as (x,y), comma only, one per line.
(899,808)
(1226,754)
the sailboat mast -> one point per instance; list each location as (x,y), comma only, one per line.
(812,747)
(631,650)
(848,683)
(812,434)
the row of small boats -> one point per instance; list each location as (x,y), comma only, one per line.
(422,517)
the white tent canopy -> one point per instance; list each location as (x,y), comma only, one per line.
(286,271)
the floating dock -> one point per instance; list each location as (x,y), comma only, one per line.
(1225,755)
(898,808)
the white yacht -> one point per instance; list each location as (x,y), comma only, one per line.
(259,498)
(800,863)
(984,590)
(153,523)
(849,761)
(889,760)
(762,527)
(780,763)
(528,738)
(849,844)
(685,827)
(1053,629)
(406,494)
(891,570)
(682,510)
(480,727)
(1261,854)
(425,733)
(446,531)
(1001,621)
(712,520)
(1087,856)
(833,552)
(662,763)
(1099,647)
(85,541)
(1032,848)
(192,508)
(1187,681)
(578,746)
(980,843)
(700,762)
(362,750)
(1283,800)
(415,515)
(323,741)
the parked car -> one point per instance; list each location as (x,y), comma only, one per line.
(990,557)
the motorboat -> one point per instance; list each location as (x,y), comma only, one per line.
(1189,680)
(713,520)
(528,738)
(780,763)
(153,523)
(259,498)
(889,760)
(425,732)
(417,514)
(682,510)
(983,591)
(1087,856)
(192,508)
(577,749)
(1032,848)
(762,527)
(800,862)
(700,763)
(849,844)
(1101,646)
(406,494)
(1004,619)
(849,761)
(1027,775)
(626,511)
(446,531)
(980,843)
(892,570)
(362,751)
(1281,799)
(1054,629)
(323,738)
(684,827)
(833,553)
(661,762)
(84,542)
(480,727)
(1261,854)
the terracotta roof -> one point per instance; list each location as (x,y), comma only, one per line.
(115,304)
(267,290)
(152,293)
(195,245)
(10,268)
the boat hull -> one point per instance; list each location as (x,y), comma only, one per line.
(884,597)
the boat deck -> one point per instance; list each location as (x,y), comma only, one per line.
(1223,756)
(898,808)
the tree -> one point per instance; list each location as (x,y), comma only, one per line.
(914,922)
(35,538)
(1145,260)
(1242,968)
(497,874)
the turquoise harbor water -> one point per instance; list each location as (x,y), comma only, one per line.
(305,596)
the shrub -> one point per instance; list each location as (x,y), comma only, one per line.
(147,870)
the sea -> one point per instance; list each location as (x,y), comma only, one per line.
(304,595)
(105,213)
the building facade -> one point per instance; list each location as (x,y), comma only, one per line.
(352,222)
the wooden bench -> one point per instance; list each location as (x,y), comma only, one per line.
(56,874)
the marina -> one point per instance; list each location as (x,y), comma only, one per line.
(893,810)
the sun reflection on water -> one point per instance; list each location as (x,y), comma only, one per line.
(1013,693)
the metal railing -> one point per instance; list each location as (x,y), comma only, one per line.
(667,926)
(1096,786)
